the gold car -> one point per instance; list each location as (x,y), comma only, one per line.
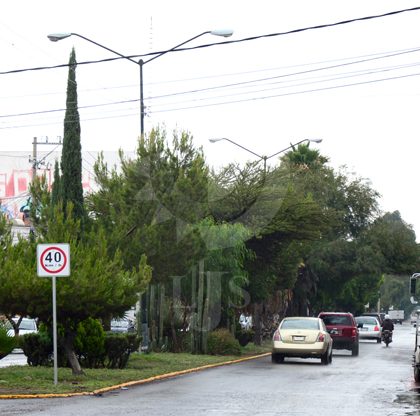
(302,337)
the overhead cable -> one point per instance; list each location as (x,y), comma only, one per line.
(226,42)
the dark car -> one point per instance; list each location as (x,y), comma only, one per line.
(343,330)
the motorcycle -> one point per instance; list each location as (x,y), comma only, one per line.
(386,336)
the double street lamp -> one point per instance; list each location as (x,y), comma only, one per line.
(262,157)
(59,36)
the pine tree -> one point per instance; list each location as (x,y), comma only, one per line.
(71,157)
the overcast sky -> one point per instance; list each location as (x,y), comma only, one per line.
(355,85)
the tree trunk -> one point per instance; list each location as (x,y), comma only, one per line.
(175,344)
(257,324)
(15,325)
(200,309)
(193,329)
(162,313)
(152,316)
(205,325)
(71,355)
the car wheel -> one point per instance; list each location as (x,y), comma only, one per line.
(355,350)
(330,357)
(378,340)
(416,374)
(277,358)
(325,359)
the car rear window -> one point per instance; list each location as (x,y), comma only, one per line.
(300,324)
(367,321)
(27,324)
(337,320)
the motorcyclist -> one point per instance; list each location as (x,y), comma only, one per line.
(387,324)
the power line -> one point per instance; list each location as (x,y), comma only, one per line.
(363,59)
(206,77)
(290,74)
(227,102)
(316,81)
(226,42)
(10,198)
(32,113)
(14,156)
(291,93)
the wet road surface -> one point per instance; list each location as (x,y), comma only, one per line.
(377,382)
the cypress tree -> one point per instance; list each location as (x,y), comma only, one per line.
(71,156)
(56,194)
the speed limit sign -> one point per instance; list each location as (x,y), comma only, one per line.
(53,260)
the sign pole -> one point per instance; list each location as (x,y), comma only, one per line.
(54,299)
(53,260)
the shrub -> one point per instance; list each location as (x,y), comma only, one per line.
(94,347)
(6,343)
(222,342)
(118,348)
(38,348)
(90,343)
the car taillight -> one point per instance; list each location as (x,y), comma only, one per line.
(321,337)
(353,332)
(376,329)
(276,336)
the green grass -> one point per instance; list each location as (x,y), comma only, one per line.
(39,380)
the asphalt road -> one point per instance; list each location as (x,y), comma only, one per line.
(377,382)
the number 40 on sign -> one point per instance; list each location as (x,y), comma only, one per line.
(53,260)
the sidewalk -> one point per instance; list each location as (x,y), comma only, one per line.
(15,358)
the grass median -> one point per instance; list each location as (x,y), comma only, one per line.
(26,380)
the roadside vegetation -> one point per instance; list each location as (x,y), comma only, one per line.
(38,380)
(200,247)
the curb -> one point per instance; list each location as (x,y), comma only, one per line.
(99,392)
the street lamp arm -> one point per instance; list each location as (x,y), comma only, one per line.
(54,37)
(239,145)
(293,145)
(224,33)
(106,48)
(177,46)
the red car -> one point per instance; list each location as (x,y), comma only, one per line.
(343,330)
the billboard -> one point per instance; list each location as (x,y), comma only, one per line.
(16,173)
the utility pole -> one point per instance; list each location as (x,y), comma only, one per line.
(36,164)
(34,160)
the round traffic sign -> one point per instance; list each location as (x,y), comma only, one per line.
(53,260)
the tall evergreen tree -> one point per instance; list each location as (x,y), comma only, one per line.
(71,157)
(56,193)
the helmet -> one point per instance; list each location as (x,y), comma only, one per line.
(387,316)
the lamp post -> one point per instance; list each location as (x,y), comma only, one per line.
(262,157)
(59,36)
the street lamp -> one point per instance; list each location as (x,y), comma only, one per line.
(59,36)
(262,157)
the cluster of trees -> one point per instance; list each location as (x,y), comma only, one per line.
(295,238)
(244,237)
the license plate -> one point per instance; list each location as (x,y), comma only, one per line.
(334,332)
(364,329)
(298,338)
